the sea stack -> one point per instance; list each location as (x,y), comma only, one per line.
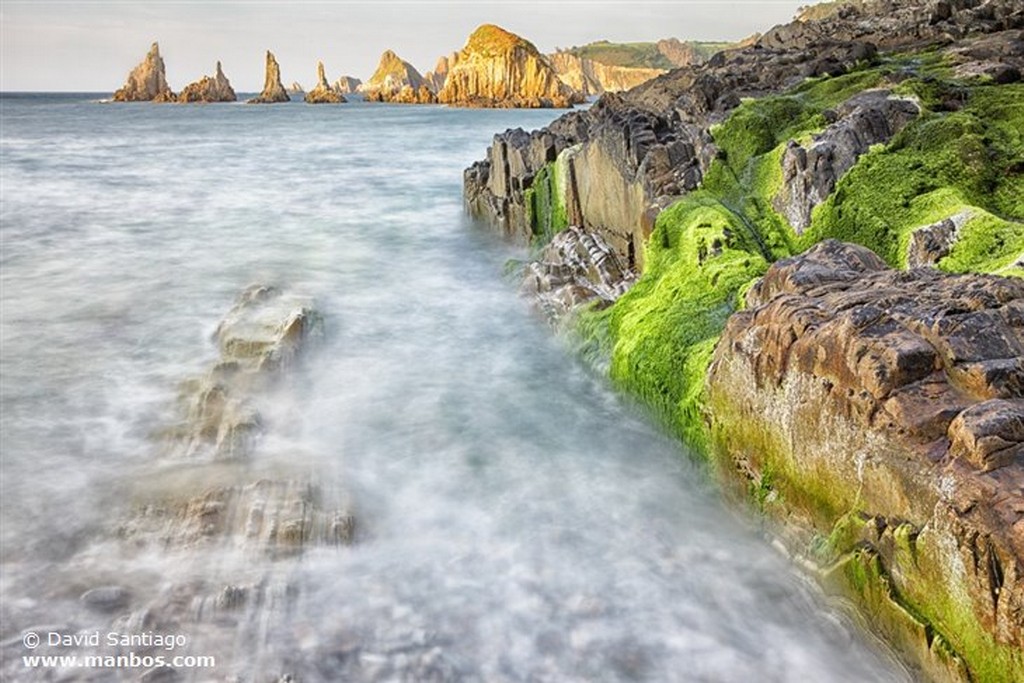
(323,93)
(273,91)
(395,80)
(347,84)
(147,82)
(216,88)
(499,69)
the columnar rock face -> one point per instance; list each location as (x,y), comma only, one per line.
(147,82)
(273,90)
(885,412)
(810,173)
(347,84)
(323,93)
(499,69)
(395,80)
(593,78)
(436,79)
(216,88)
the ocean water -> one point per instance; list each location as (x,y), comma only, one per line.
(516,520)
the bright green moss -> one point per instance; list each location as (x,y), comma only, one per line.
(944,163)
(545,202)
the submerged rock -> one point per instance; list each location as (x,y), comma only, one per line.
(264,334)
(323,93)
(216,88)
(273,91)
(395,80)
(147,82)
(871,399)
(497,68)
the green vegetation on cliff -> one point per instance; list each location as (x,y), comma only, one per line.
(644,55)
(708,247)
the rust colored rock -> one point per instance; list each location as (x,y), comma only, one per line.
(323,93)
(396,80)
(273,91)
(216,88)
(894,396)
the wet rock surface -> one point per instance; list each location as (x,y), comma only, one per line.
(901,394)
(574,269)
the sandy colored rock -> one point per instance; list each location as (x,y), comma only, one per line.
(147,82)
(216,88)
(347,84)
(323,93)
(395,80)
(273,91)
(497,68)
(593,78)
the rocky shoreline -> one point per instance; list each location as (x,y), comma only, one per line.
(731,241)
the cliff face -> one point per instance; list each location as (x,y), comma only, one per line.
(147,82)
(883,411)
(395,80)
(323,93)
(216,88)
(593,78)
(499,69)
(273,91)
(874,413)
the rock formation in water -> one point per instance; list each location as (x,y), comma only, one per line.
(147,82)
(273,91)
(216,88)
(593,78)
(499,69)
(395,80)
(874,414)
(295,89)
(347,84)
(323,93)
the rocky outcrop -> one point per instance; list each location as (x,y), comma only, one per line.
(593,78)
(216,88)
(295,89)
(264,334)
(646,147)
(810,172)
(397,81)
(147,82)
(499,69)
(273,92)
(883,411)
(574,269)
(932,243)
(323,93)
(347,84)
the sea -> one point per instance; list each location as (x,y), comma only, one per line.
(515,518)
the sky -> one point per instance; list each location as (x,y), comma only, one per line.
(91,45)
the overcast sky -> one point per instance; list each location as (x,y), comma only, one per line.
(92,45)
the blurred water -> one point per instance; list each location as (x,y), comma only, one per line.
(517,521)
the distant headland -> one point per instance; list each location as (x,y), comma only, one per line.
(495,68)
